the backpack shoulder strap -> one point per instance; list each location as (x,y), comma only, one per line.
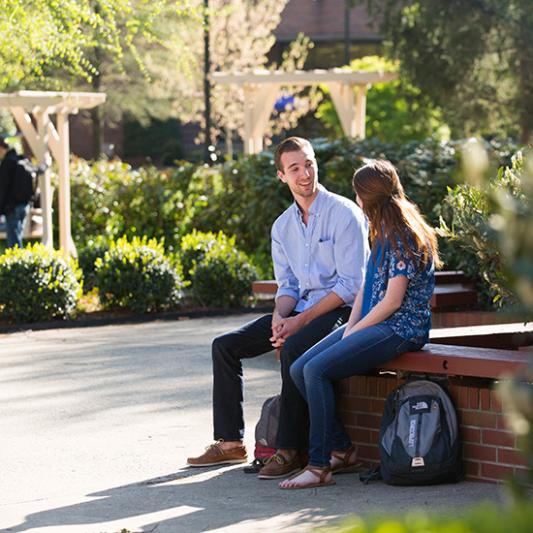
(372,474)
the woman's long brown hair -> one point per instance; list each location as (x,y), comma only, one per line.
(391,215)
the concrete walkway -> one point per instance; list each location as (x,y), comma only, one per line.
(96,424)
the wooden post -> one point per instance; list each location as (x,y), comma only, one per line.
(343,99)
(258,105)
(248,119)
(65,238)
(44,180)
(360,111)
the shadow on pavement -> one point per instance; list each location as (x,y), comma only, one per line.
(186,500)
(210,499)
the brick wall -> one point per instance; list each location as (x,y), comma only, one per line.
(489,448)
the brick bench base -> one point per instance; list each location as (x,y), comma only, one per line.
(489,447)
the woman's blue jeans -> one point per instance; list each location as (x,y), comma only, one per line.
(335,358)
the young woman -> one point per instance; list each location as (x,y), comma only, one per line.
(391,315)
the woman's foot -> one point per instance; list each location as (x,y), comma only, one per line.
(344,461)
(310,477)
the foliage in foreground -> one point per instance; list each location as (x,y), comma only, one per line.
(136,275)
(37,283)
(490,225)
(480,519)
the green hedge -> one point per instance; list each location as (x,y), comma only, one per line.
(243,197)
(87,256)
(136,275)
(37,283)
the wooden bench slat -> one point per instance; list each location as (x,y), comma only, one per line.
(453,295)
(443,296)
(450,276)
(459,361)
(511,336)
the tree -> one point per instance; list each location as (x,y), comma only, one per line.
(141,77)
(37,36)
(473,58)
(241,36)
(70,44)
(146,56)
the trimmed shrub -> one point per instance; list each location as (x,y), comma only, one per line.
(87,256)
(37,283)
(136,275)
(220,274)
(195,246)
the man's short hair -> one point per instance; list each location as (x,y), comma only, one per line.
(290,144)
(3,142)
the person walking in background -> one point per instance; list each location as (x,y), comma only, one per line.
(13,205)
(319,250)
(391,315)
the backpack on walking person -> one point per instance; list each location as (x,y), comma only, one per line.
(266,430)
(418,439)
(25,185)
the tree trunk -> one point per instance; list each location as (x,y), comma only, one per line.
(525,96)
(229,143)
(96,113)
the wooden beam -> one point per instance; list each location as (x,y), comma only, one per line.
(301,77)
(27,128)
(47,99)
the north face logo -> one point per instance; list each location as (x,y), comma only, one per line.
(412,433)
(419,405)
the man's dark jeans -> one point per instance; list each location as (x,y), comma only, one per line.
(15,221)
(252,340)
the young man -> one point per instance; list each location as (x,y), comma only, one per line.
(319,250)
(11,205)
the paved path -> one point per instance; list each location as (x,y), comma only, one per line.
(96,424)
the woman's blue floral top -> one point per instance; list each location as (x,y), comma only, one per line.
(412,321)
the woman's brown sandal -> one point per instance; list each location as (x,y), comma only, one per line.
(320,473)
(345,466)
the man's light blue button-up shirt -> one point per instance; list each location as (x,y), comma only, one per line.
(327,255)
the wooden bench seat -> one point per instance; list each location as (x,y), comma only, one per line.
(510,336)
(445,295)
(460,361)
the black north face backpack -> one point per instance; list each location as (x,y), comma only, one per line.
(418,438)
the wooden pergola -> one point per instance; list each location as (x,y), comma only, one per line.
(32,111)
(261,89)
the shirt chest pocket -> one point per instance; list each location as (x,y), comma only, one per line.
(325,258)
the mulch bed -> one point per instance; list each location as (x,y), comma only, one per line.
(121,316)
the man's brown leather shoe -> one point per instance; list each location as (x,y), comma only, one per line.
(278,466)
(215,455)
